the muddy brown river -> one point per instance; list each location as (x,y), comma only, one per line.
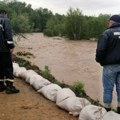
(69,61)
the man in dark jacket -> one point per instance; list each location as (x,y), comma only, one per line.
(108,55)
(6,49)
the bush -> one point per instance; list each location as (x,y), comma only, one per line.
(78,88)
(48,32)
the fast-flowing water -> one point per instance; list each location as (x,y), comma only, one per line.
(69,61)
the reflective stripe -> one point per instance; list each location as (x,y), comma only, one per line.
(1,27)
(116,33)
(10,42)
(10,80)
(1,80)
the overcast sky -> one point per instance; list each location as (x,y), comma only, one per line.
(88,7)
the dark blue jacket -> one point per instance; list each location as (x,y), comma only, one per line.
(108,47)
(6,37)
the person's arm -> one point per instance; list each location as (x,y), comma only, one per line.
(8,34)
(101,48)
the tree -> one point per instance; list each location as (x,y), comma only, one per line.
(21,23)
(73,24)
(55,26)
(40,17)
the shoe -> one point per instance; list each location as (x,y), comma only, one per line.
(118,110)
(11,90)
(108,109)
(2,88)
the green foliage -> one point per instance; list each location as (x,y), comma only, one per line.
(55,26)
(18,14)
(73,24)
(24,53)
(46,74)
(3,5)
(76,26)
(48,32)
(40,17)
(27,54)
(78,88)
(92,27)
(21,23)
(21,62)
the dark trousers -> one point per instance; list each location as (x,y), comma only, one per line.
(6,66)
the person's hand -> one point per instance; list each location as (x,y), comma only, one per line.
(11,50)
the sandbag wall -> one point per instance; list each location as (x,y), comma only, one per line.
(64,98)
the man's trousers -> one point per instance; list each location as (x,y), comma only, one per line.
(6,67)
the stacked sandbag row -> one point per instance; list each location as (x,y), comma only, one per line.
(30,76)
(65,98)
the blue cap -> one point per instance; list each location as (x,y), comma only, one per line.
(115,18)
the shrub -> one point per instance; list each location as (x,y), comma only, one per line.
(48,32)
(78,88)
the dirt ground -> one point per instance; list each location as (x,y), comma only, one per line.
(29,105)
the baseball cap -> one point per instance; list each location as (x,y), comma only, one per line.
(115,18)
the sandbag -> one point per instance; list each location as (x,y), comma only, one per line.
(15,67)
(39,83)
(92,112)
(111,116)
(64,94)
(18,71)
(22,75)
(73,105)
(26,75)
(50,91)
(35,78)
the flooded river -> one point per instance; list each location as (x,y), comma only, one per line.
(69,61)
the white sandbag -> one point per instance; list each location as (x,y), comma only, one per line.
(28,74)
(73,105)
(35,78)
(15,67)
(50,91)
(39,83)
(111,116)
(18,71)
(92,112)
(64,94)
(22,75)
